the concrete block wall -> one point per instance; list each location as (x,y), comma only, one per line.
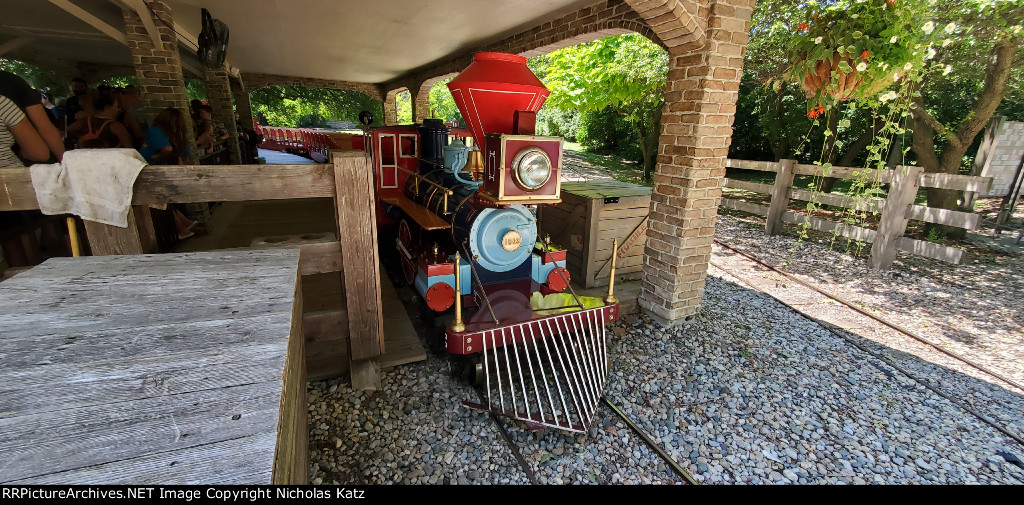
(1005,157)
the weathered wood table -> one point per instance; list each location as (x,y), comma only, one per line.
(160,369)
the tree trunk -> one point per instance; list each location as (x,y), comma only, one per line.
(781,147)
(958,140)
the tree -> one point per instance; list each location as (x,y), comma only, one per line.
(959,98)
(300,106)
(442,105)
(626,73)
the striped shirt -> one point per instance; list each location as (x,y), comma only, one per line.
(10,115)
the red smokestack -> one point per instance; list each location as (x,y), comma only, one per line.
(491,89)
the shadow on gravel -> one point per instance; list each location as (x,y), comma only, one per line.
(750,392)
(966,304)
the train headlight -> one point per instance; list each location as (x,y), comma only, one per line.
(531,168)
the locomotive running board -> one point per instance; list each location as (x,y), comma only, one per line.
(553,379)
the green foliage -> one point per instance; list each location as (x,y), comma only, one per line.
(607,131)
(404,107)
(442,105)
(120,81)
(559,122)
(195,89)
(46,80)
(298,106)
(625,73)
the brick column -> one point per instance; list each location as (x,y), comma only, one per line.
(218,94)
(242,103)
(391,107)
(421,102)
(700,106)
(159,68)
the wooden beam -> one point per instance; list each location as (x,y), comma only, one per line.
(93,21)
(315,257)
(752,208)
(763,166)
(13,44)
(160,184)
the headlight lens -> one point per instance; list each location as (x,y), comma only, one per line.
(531,168)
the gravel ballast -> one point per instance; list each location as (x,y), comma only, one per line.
(749,392)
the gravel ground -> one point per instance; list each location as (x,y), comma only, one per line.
(749,392)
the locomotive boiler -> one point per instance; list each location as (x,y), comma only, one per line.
(459,205)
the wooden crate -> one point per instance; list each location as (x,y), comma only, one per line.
(592,214)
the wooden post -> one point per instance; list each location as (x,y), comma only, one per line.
(147,231)
(357,232)
(105,240)
(780,197)
(902,192)
(590,246)
(984,157)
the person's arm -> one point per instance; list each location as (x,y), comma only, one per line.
(31,144)
(41,121)
(123,137)
(77,128)
(133,127)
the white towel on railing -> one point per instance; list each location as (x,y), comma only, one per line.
(95,184)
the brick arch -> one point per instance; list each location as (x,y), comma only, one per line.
(391,105)
(421,101)
(604,18)
(255,82)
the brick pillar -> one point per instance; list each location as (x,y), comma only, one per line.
(696,130)
(159,68)
(218,94)
(391,107)
(242,103)
(421,102)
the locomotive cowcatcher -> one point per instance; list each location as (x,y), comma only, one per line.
(460,207)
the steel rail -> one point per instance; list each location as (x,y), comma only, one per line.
(839,332)
(890,324)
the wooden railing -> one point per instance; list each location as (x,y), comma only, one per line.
(896,209)
(348,180)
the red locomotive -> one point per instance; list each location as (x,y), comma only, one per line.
(463,219)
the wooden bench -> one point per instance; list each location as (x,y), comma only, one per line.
(157,369)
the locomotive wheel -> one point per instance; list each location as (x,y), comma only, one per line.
(469,368)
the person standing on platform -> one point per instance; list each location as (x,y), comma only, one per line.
(30,102)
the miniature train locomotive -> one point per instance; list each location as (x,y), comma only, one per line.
(463,220)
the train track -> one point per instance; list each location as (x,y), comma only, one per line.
(985,370)
(674,466)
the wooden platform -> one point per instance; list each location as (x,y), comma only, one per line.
(238,224)
(155,369)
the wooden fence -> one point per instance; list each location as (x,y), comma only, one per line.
(348,180)
(896,209)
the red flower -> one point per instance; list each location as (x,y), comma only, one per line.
(803,27)
(865,55)
(892,3)
(814,113)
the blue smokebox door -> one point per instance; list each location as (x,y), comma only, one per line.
(502,239)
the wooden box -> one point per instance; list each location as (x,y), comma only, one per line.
(592,214)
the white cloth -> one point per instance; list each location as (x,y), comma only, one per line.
(95,184)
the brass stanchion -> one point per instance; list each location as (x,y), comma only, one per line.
(458,326)
(76,248)
(610,299)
